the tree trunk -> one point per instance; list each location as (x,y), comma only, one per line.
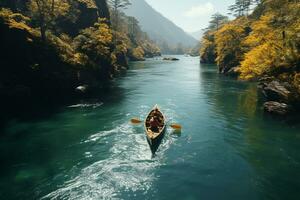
(43,32)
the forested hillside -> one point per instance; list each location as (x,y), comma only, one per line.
(263,44)
(50,47)
(170,38)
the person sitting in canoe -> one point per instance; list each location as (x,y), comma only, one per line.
(156,114)
(154,124)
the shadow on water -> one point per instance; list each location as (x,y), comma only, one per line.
(267,144)
(42,141)
(44,109)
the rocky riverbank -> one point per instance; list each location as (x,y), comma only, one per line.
(280,97)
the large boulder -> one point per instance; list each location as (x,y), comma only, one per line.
(277,108)
(171,59)
(276,91)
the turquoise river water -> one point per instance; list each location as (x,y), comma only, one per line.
(228,149)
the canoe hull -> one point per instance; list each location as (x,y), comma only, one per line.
(154,141)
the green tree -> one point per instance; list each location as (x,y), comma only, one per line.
(116,7)
(216,21)
(241,7)
(133,29)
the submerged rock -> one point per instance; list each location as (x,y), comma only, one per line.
(170,58)
(233,72)
(277,108)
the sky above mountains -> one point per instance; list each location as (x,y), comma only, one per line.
(190,15)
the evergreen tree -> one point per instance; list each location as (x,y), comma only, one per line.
(216,21)
(116,7)
(241,7)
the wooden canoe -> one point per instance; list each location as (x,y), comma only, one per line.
(154,137)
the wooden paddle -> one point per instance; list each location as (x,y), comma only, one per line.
(174,126)
(135,121)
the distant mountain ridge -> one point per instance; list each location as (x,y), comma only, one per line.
(159,28)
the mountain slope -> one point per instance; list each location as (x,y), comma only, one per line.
(197,34)
(158,27)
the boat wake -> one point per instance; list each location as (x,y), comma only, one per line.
(129,168)
(86,105)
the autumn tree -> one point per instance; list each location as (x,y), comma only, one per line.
(45,12)
(207,50)
(273,42)
(229,48)
(95,42)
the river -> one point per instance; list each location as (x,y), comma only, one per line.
(228,149)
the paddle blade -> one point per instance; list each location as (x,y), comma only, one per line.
(176,126)
(135,121)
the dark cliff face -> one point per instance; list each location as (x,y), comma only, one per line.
(15,5)
(103,10)
(87,17)
(31,73)
(35,73)
(29,63)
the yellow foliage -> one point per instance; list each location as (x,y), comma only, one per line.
(122,42)
(296,82)
(229,44)
(49,8)
(95,43)
(65,50)
(89,3)
(273,43)
(262,32)
(258,61)
(138,53)
(17,21)
(47,11)
(149,47)
(207,50)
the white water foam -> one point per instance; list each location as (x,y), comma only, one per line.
(129,168)
(86,105)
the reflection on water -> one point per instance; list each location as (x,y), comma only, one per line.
(271,147)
